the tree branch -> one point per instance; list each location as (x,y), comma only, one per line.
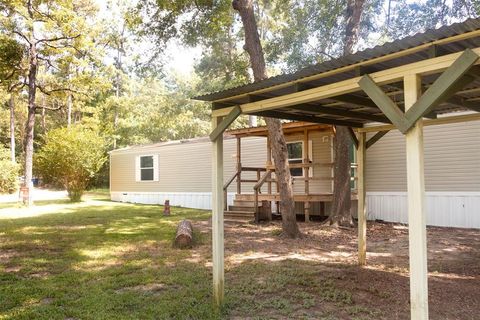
(58,39)
(22,36)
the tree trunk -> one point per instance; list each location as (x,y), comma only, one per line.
(44,120)
(69,109)
(12,126)
(29,128)
(353,16)
(341,205)
(279,146)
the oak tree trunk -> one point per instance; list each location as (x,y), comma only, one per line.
(30,125)
(275,133)
(69,109)
(341,206)
(11,104)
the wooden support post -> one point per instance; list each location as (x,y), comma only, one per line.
(416,207)
(217,217)
(306,172)
(239,165)
(269,163)
(361,194)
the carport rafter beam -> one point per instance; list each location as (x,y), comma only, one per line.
(226,122)
(450,81)
(384,103)
(339,112)
(424,67)
(312,119)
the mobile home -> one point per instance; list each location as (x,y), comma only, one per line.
(180,171)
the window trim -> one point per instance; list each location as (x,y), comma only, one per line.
(310,158)
(138,168)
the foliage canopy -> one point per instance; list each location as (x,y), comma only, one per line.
(8,172)
(72,156)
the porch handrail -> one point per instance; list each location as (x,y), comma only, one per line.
(225,188)
(257,188)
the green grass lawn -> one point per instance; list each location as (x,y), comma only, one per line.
(103,260)
(99,260)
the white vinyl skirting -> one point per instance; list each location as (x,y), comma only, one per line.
(446,209)
(196,200)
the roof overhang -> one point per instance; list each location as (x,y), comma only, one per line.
(330,93)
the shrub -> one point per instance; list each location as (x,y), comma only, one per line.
(72,157)
(8,172)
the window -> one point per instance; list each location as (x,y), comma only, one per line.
(147,168)
(295,155)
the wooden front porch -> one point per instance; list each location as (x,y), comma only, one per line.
(256,187)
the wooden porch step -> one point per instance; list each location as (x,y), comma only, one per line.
(243,203)
(242,216)
(241,208)
(238,213)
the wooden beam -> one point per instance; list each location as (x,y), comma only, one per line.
(339,112)
(217,217)
(416,207)
(239,166)
(461,102)
(367,63)
(356,100)
(384,103)
(375,138)
(449,82)
(306,172)
(226,122)
(347,98)
(328,110)
(312,119)
(424,67)
(353,137)
(432,122)
(361,195)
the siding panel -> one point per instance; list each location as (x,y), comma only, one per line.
(451,160)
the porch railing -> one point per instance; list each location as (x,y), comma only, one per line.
(267,177)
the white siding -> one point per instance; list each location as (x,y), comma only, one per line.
(452,155)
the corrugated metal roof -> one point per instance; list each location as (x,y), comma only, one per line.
(361,56)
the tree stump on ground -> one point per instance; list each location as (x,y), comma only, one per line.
(184,236)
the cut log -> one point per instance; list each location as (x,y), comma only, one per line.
(184,236)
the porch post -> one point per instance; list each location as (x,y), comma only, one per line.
(217,216)
(306,172)
(416,206)
(239,165)
(361,205)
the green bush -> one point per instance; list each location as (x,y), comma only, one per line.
(71,157)
(8,172)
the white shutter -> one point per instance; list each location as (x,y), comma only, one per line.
(156,167)
(137,169)
(310,157)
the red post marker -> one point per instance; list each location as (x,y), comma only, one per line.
(166,208)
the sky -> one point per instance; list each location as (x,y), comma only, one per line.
(181,60)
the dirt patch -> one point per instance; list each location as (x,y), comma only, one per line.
(327,258)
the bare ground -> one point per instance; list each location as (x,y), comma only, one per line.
(316,277)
